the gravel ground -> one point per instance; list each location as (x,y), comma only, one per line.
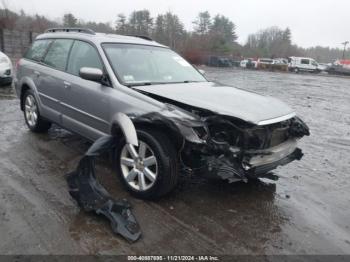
(305,212)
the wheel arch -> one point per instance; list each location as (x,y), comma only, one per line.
(123,126)
(176,138)
(26,84)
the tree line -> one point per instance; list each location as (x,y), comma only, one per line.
(211,35)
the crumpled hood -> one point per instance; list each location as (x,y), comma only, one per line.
(224,100)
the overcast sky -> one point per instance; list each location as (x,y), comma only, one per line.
(312,22)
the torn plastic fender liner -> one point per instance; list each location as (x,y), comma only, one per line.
(92,196)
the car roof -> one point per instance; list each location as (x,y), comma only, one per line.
(98,38)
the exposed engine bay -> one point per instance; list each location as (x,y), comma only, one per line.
(236,150)
(228,147)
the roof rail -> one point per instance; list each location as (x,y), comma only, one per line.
(71,29)
(142,36)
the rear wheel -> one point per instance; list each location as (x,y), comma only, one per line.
(31,114)
(149,170)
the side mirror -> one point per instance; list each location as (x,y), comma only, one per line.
(201,71)
(90,73)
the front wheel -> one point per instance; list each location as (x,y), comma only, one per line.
(149,170)
(32,115)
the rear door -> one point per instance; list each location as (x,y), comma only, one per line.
(86,103)
(32,67)
(53,76)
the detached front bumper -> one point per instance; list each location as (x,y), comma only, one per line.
(263,161)
(241,166)
(265,168)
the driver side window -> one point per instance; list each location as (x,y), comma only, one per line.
(83,55)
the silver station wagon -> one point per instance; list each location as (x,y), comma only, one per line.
(165,113)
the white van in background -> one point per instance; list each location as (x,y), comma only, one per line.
(297,64)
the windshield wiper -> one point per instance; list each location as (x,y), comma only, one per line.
(190,81)
(160,83)
(139,84)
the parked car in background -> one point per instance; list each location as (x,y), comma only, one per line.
(279,64)
(219,61)
(306,64)
(280,61)
(339,67)
(235,62)
(248,63)
(264,63)
(323,67)
(5,70)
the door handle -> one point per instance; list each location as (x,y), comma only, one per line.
(66,84)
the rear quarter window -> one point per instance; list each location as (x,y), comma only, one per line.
(37,50)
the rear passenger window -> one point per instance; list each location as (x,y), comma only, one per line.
(58,54)
(83,55)
(37,50)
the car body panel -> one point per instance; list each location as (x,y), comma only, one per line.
(224,100)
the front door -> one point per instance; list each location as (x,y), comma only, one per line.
(86,103)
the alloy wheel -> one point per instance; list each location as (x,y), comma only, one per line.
(31,111)
(139,166)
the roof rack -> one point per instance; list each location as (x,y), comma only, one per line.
(71,29)
(142,36)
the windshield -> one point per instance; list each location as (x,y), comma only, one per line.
(147,65)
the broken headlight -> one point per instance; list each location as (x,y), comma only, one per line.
(193,132)
(201,132)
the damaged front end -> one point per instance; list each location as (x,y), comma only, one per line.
(236,150)
(227,147)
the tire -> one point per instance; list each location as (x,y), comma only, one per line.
(296,70)
(32,115)
(165,169)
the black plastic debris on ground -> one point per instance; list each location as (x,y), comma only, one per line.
(92,196)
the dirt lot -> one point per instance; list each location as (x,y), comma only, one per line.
(305,212)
